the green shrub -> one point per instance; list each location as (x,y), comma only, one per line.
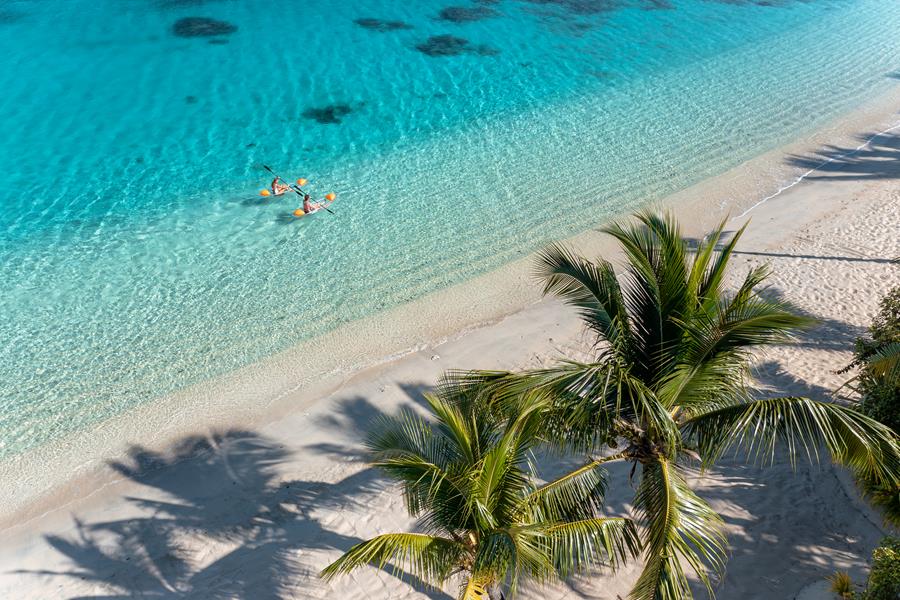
(880,396)
(886,497)
(884,578)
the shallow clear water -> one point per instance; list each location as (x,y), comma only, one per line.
(136,257)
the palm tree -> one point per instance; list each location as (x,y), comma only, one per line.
(670,385)
(877,392)
(881,363)
(886,363)
(468,478)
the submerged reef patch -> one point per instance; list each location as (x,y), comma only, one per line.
(658,5)
(8,17)
(328,115)
(466,14)
(202,27)
(181,3)
(582,7)
(450,45)
(382,26)
(772,3)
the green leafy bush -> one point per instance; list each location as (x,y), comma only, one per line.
(879,390)
(880,394)
(884,578)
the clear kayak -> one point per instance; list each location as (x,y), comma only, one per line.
(320,206)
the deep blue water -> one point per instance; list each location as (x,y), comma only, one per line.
(137,258)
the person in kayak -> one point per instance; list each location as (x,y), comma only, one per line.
(308,206)
(279,188)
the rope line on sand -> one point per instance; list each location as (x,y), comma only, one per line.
(816,168)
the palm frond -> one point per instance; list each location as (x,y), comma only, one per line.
(710,274)
(715,352)
(496,558)
(885,362)
(408,434)
(744,325)
(701,271)
(429,558)
(575,399)
(679,527)
(531,555)
(474,589)
(586,543)
(407,448)
(650,414)
(803,426)
(696,387)
(641,292)
(573,495)
(498,481)
(671,268)
(592,288)
(454,426)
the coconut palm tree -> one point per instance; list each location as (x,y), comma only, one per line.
(669,386)
(468,478)
(886,363)
(881,364)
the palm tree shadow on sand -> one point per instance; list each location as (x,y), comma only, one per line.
(259,533)
(356,415)
(827,333)
(879,158)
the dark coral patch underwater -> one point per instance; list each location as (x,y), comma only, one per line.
(10,16)
(450,45)
(581,7)
(328,115)
(382,26)
(658,5)
(770,3)
(466,14)
(202,27)
(182,3)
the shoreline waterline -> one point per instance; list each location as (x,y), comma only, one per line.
(293,380)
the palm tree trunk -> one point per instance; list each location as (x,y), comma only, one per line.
(495,592)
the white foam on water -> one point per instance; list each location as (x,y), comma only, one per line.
(799,179)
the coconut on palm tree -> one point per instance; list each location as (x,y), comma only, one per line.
(468,477)
(670,386)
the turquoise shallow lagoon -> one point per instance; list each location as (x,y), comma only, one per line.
(137,258)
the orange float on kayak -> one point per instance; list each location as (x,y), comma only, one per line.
(265,193)
(299,212)
(302,181)
(330,197)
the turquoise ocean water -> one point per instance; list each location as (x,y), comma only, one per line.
(136,257)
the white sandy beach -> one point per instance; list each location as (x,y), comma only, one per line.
(253,503)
